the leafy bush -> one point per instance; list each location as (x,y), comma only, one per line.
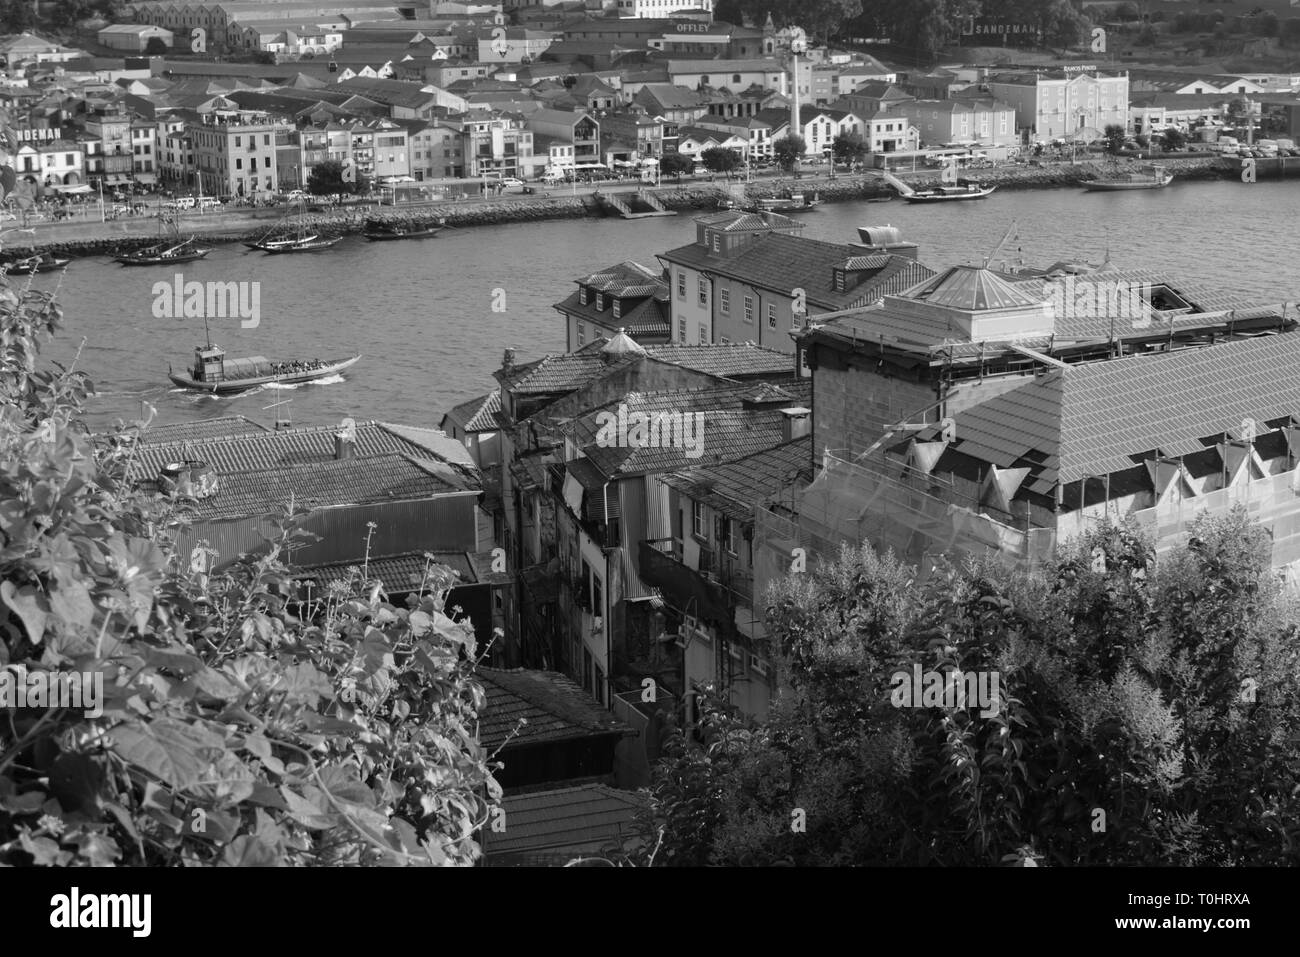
(1147,715)
(240,724)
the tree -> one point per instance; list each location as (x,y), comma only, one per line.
(1161,694)
(675,164)
(330,178)
(16,15)
(848,148)
(788,150)
(155,47)
(1173,140)
(1114,136)
(719,160)
(304,732)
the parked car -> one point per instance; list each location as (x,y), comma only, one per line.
(209,202)
(511,183)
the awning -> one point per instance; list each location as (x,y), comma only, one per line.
(113,179)
(146,178)
(77,190)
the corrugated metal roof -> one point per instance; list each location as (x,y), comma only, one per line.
(973,288)
(735,488)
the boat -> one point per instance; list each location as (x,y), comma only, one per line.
(303,239)
(378,232)
(213,373)
(309,244)
(1146,177)
(789,203)
(948,194)
(164,254)
(42,262)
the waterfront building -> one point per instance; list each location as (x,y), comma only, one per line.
(1053,104)
(144,151)
(694,141)
(235,153)
(579,129)
(658,9)
(51,163)
(745,284)
(961,120)
(755,131)
(734,75)
(875,97)
(502,144)
(115,160)
(628,298)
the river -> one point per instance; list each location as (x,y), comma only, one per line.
(421,312)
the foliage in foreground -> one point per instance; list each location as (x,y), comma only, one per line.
(240,726)
(1147,716)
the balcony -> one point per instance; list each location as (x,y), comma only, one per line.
(712,591)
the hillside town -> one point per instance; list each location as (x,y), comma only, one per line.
(620,526)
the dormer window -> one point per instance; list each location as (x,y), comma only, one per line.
(600,301)
(618,308)
(717,242)
(582,295)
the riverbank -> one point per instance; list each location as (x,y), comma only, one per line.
(113,238)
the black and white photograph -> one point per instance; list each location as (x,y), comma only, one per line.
(651,434)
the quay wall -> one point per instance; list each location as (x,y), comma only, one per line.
(106,239)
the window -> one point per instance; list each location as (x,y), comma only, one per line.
(681,285)
(771,315)
(697,519)
(759,665)
(600,301)
(704,334)
(749,309)
(729,535)
(239,163)
(582,334)
(737,654)
(704,292)
(681,328)
(239,141)
(724,300)
(717,242)
(618,308)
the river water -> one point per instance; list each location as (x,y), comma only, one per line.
(421,312)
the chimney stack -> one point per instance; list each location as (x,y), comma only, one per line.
(344,446)
(796,422)
(508,360)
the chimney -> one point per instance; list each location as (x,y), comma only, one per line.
(344,446)
(795,423)
(508,360)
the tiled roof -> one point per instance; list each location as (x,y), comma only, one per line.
(478,414)
(729,430)
(378,478)
(733,360)
(289,448)
(553,707)
(202,429)
(1101,417)
(736,488)
(552,827)
(735,221)
(782,263)
(626,279)
(399,573)
(565,373)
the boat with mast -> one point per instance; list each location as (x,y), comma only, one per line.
(175,250)
(302,240)
(213,373)
(964,190)
(41,262)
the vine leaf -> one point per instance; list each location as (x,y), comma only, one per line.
(166,748)
(26,603)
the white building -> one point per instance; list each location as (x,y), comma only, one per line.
(1059,105)
(133,37)
(658,9)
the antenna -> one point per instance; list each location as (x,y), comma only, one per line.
(281,423)
(206,334)
(1006,237)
